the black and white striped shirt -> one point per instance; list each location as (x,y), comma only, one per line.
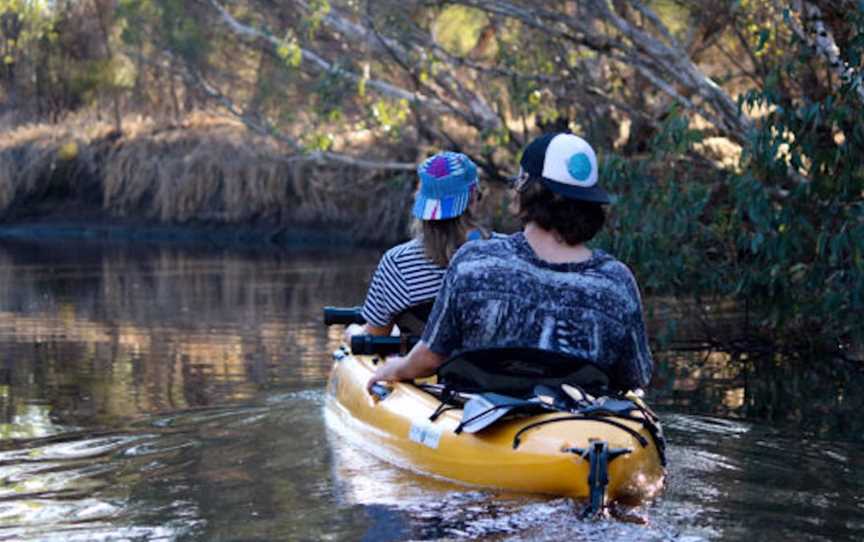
(404,278)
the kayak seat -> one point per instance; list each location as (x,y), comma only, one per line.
(517,371)
(412,320)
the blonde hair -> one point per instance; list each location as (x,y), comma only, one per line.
(442,238)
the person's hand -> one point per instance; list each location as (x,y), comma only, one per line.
(384,373)
(351,330)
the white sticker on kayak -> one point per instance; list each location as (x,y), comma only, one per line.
(425,433)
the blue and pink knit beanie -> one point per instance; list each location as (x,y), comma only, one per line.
(447,180)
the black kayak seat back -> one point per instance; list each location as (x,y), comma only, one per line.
(412,320)
(516,372)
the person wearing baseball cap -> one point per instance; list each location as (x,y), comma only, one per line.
(543,287)
(409,275)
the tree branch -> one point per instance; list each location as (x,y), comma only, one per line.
(479,112)
(811,29)
(665,66)
(657,23)
(679,67)
(252,34)
(266,129)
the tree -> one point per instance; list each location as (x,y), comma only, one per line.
(778,85)
(729,128)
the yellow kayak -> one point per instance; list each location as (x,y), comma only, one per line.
(554,453)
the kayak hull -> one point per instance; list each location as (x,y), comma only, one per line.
(398,429)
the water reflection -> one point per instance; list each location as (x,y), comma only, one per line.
(818,396)
(105,333)
(161,393)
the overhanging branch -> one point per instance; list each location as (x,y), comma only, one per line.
(812,30)
(266,129)
(311,58)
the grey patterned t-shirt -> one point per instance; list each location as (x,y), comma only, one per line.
(498,293)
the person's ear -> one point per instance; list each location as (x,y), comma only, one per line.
(476,197)
(513,205)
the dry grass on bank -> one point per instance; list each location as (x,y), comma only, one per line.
(208,170)
(38,159)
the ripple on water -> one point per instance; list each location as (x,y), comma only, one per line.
(433,509)
(83,487)
(97,531)
(705,426)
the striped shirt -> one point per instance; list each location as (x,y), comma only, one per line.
(404,278)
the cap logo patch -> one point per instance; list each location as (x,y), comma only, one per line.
(438,167)
(579,166)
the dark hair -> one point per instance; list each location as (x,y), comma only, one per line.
(574,221)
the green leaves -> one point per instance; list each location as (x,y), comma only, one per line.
(764,34)
(790,246)
(675,136)
(290,52)
(390,114)
(458,28)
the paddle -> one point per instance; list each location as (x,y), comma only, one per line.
(552,397)
(343,315)
(620,407)
(484,409)
(578,395)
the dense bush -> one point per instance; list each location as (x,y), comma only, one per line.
(781,232)
(725,194)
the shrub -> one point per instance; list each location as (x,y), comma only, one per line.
(781,232)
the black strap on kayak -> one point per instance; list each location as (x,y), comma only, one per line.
(652,424)
(453,400)
(450,399)
(412,320)
(635,434)
(442,408)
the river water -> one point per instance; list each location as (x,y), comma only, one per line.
(176,393)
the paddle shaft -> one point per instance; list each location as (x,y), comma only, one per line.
(343,315)
(368,345)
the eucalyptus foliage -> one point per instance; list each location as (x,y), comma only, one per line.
(773,222)
(781,233)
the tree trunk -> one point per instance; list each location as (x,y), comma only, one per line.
(104,14)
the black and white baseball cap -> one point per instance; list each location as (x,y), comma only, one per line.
(566,164)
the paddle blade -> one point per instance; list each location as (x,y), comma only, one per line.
(485,409)
(576,394)
(620,407)
(552,397)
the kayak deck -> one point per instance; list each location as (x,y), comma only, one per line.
(398,429)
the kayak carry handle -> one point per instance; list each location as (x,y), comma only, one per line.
(343,315)
(369,345)
(381,391)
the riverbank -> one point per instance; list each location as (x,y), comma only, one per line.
(98,229)
(206,179)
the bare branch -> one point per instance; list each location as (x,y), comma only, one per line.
(658,24)
(665,66)
(550,23)
(479,112)
(264,128)
(252,34)
(811,29)
(679,67)
(670,90)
